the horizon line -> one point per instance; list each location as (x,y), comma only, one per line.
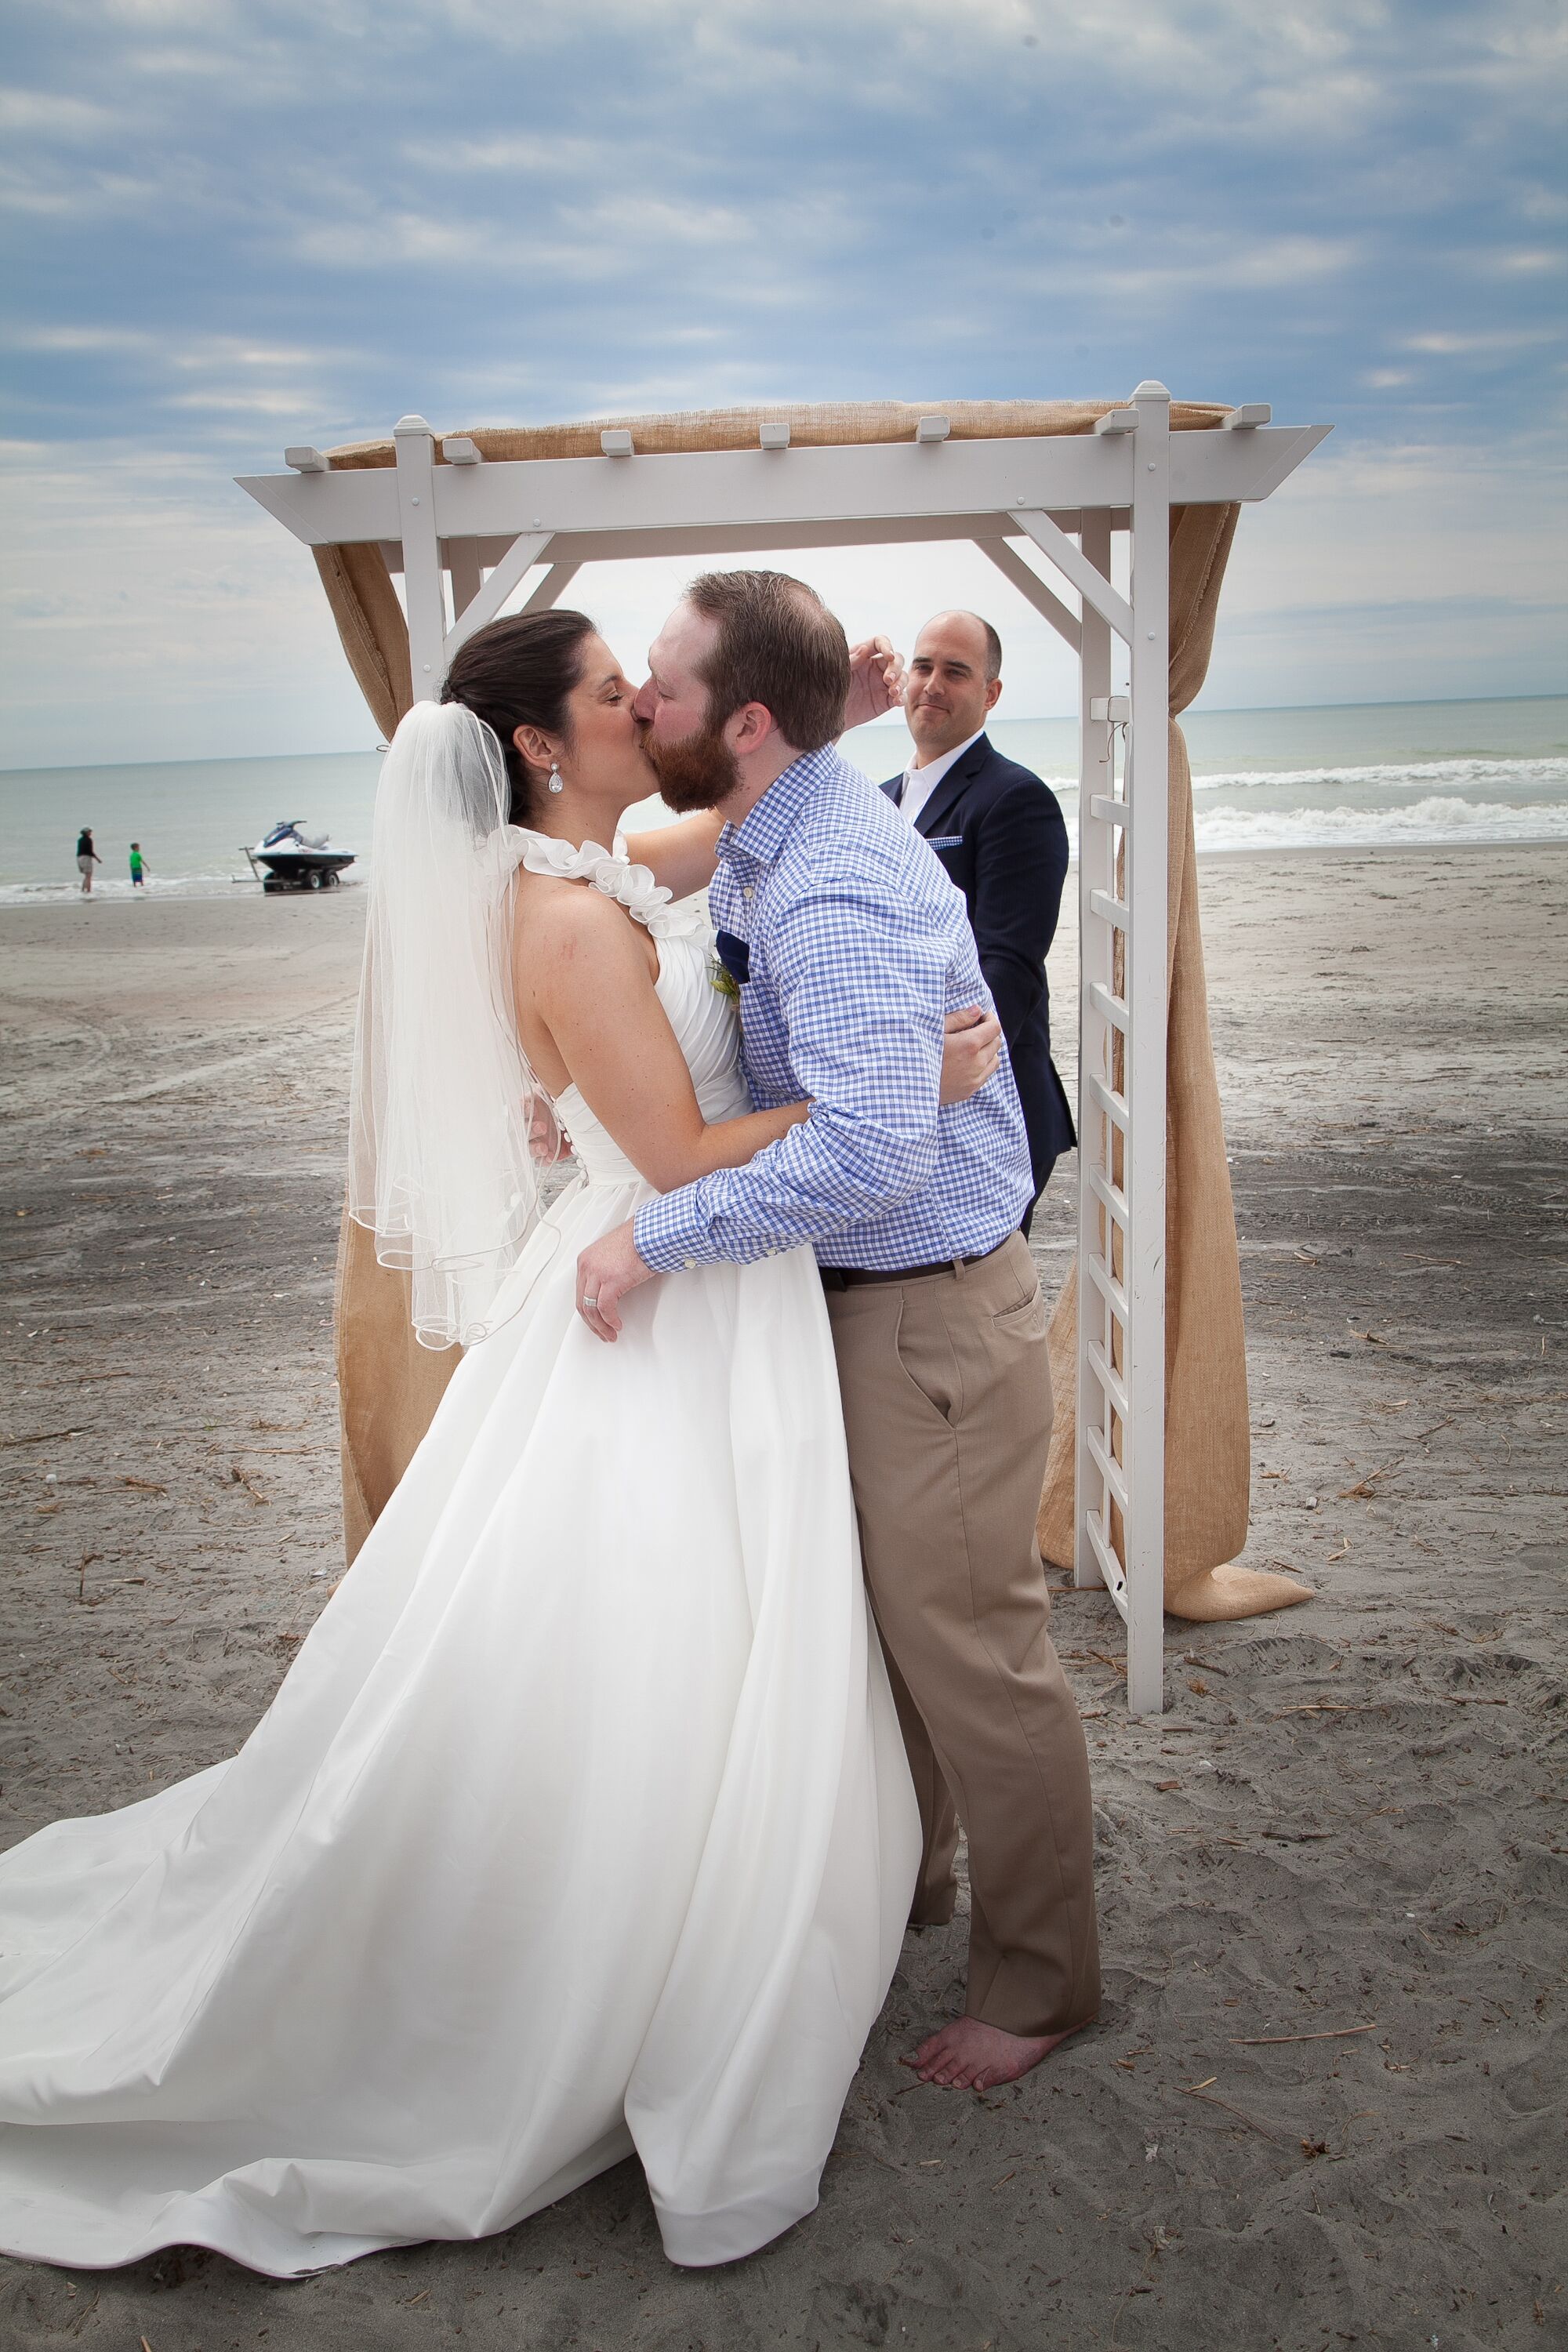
(1022,718)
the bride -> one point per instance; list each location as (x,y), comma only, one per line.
(581,1825)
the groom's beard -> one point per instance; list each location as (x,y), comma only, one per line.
(697,773)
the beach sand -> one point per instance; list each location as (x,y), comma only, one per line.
(1319,2107)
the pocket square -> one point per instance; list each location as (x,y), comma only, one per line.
(945,841)
(735,955)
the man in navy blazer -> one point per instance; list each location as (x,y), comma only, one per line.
(1000,833)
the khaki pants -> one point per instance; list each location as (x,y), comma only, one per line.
(947,1404)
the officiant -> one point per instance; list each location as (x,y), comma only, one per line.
(998,829)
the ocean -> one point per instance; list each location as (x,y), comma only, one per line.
(1390,775)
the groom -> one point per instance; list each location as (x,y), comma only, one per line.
(849,947)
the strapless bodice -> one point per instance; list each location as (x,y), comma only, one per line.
(703,1017)
(692,985)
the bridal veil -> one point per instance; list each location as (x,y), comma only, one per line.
(443,1100)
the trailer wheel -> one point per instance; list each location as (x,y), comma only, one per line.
(315,878)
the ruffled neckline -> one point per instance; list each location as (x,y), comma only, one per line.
(610,870)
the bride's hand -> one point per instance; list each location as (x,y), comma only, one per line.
(876,681)
(607,1270)
(970,1055)
(548,1142)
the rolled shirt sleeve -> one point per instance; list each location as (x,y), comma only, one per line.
(862,997)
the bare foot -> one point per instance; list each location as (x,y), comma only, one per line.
(969,2056)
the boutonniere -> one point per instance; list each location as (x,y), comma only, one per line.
(722,980)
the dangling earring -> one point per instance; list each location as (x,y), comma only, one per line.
(555,784)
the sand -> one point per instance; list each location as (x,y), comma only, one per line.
(1322,2104)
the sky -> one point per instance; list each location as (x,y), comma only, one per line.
(235,224)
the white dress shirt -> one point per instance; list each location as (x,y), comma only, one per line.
(920,782)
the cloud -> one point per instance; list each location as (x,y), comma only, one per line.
(295,403)
(629,219)
(1409,525)
(1487,341)
(76,340)
(78,197)
(52,115)
(513,154)
(234,222)
(1232,262)
(134,583)
(394,239)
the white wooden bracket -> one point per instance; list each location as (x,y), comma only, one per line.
(1070,561)
(519,558)
(1029,584)
(550,589)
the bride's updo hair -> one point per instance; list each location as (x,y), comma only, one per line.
(518,673)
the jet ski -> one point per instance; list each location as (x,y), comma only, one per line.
(290,859)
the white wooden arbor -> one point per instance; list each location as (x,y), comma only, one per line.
(485,526)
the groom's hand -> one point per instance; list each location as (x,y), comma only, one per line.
(876,681)
(972,1047)
(607,1270)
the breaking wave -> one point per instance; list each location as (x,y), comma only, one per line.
(1415,825)
(1428,775)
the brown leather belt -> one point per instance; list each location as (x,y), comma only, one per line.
(849,1277)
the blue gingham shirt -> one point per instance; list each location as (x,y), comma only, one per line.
(858,946)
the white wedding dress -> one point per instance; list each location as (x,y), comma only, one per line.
(581,1825)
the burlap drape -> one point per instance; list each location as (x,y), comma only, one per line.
(817,425)
(371,625)
(390,1387)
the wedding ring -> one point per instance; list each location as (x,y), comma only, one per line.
(591,1302)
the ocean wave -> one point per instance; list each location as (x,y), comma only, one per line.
(1433,821)
(1458,775)
(1418,824)
(1478,774)
(226,884)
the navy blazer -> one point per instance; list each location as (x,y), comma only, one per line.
(1000,833)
